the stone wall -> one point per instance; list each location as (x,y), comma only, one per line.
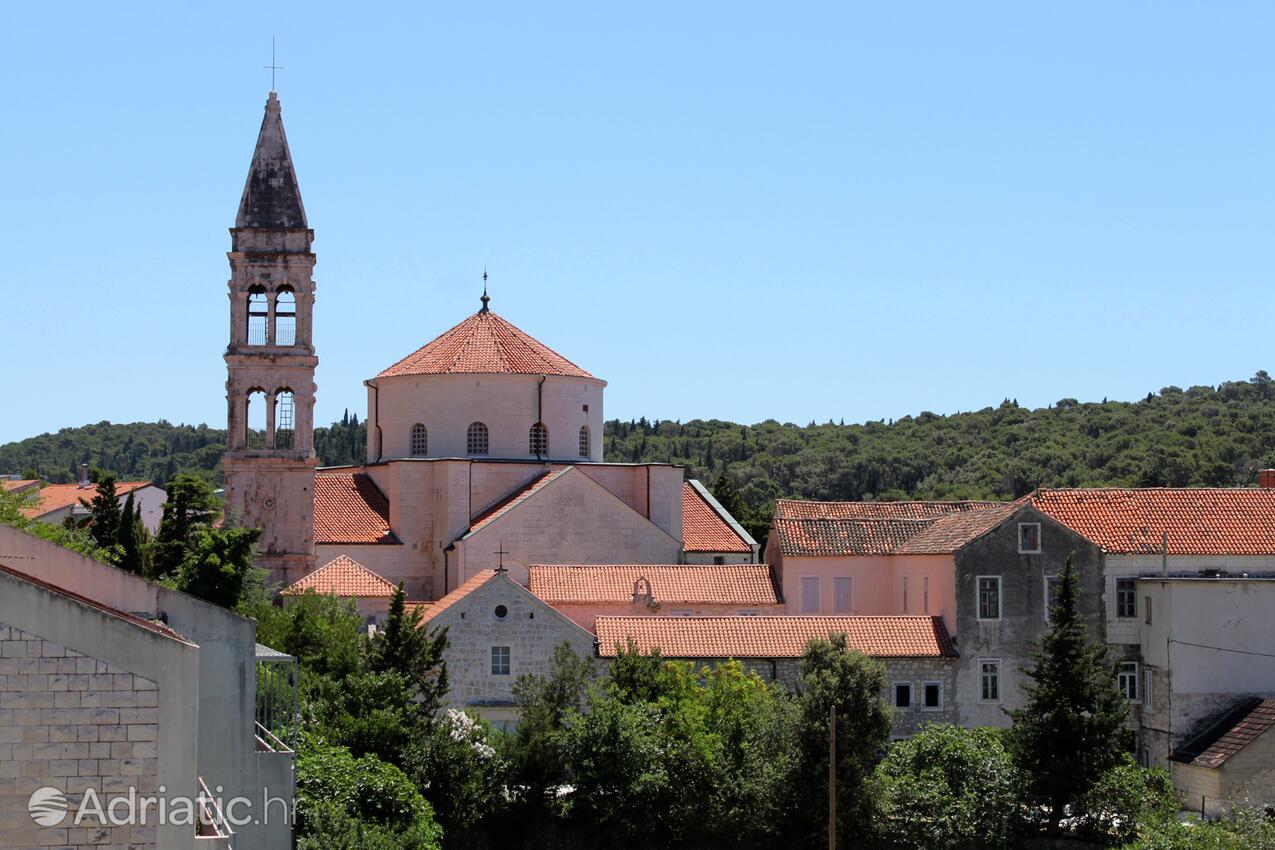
(72,722)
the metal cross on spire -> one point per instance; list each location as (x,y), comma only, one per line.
(272,67)
(500,550)
(484,299)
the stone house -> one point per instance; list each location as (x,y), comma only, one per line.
(347,578)
(55,503)
(497,630)
(1232,762)
(916,651)
(586,591)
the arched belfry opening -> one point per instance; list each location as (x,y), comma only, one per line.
(258,332)
(285,419)
(255,425)
(285,317)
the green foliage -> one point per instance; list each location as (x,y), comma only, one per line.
(216,564)
(369,713)
(1068,735)
(833,674)
(343,442)
(104,513)
(140,451)
(73,538)
(131,537)
(1249,829)
(414,652)
(324,633)
(1127,798)
(191,506)
(338,795)
(460,772)
(949,788)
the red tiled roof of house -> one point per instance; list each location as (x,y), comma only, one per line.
(54,497)
(485,344)
(342,576)
(950,533)
(11,486)
(480,578)
(703,529)
(350,508)
(729,584)
(514,499)
(774,637)
(1235,730)
(843,537)
(1199,521)
(797,509)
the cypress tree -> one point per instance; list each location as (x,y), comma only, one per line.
(1069,733)
(416,653)
(128,539)
(104,513)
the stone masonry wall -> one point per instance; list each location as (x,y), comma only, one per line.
(72,722)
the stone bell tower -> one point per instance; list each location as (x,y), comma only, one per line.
(269,460)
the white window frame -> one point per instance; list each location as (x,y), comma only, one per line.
(1047,601)
(848,582)
(1021,550)
(978,599)
(803,583)
(982,676)
(1148,679)
(496,652)
(1133,593)
(924,687)
(894,696)
(1125,676)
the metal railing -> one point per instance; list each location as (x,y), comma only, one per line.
(212,830)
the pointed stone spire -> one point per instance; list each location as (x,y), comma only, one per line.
(271,197)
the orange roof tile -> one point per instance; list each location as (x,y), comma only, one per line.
(342,576)
(731,584)
(480,578)
(11,486)
(514,499)
(54,497)
(703,529)
(1199,521)
(950,533)
(485,344)
(774,637)
(796,509)
(350,508)
(1234,731)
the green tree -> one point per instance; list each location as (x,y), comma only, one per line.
(216,564)
(191,506)
(834,674)
(948,788)
(413,651)
(370,713)
(461,774)
(1068,735)
(129,537)
(1126,800)
(104,513)
(324,633)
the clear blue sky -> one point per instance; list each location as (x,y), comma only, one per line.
(734,210)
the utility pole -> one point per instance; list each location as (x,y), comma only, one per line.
(832,778)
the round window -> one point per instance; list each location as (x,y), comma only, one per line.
(501,612)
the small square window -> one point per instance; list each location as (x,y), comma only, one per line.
(990,679)
(989,597)
(1127,679)
(500,661)
(903,695)
(933,696)
(1028,538)
(1126,598)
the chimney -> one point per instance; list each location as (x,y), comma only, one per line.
(1266,478)
(84,475)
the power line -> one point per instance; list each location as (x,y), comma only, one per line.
(1222,648)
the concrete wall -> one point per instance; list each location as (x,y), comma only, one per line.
(572,520)
(91,701)
(1023,615)
(508,404)
(531,629)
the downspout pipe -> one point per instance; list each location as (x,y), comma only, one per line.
(540,411)
(376,412)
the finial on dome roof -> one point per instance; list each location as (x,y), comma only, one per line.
(485,299)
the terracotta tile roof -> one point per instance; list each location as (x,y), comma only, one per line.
(485,344)
(843,537)
(350,508)
(480,578)
(342,576)
(11,486)
(514,499)
(53,497)
(1233,732)
(1199,521)
(796,509)
(703,529)
(730,584)
(774,637)
(951,533)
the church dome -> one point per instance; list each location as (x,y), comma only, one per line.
(485,344)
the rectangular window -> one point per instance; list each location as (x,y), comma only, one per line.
(810,594)
(842,589)
(933,695)
(1029,538)
(1051,595)
(1126,597)
(1147,604)
(905,594)
(989,597)
(500,661)
(1146,688)
(1127,679)
(902,694)
(925,595)
(990,679)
